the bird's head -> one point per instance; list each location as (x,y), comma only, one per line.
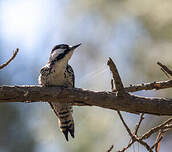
(62,52)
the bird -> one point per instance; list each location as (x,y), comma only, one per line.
(57,72)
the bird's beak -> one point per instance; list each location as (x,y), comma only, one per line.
(75,46)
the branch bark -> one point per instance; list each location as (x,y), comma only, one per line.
(77,96)
(148,86)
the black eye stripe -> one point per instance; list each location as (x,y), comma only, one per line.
(59,57)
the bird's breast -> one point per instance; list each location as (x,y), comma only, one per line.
(57,78)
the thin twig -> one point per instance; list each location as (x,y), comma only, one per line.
(148,86)
(165,73)
(155,129)
(157,148)
(125,125)
(110,149)
(138,125)
(156,145)
(128,146)
(165,68)
(145,145)
(167,127)
(6,63)
(134,137)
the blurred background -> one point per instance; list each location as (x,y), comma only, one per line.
(135,34)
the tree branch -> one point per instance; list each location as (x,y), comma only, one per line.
(110,149)
(165,68)
(126,127)
(121,93)
(139,123)
(155,129)
(127,102)
(131,103)
(148,86)
(156,145)
(6,63)
(116,76)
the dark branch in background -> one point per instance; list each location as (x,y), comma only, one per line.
(134,136)
(12,58)
(110,149)
(164,68)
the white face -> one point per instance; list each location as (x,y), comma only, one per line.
(56,53)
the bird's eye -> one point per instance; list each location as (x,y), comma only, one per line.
(64,47)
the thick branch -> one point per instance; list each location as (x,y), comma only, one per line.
(129,103)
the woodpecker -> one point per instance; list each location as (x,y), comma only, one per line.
(57,72)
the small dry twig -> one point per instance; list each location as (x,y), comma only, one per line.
(12,58)
(138,125)
(155,129)
(110,149)
(125,125)
(165,68)
(165,73)
(156,145)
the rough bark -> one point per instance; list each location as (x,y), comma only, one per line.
(109,100)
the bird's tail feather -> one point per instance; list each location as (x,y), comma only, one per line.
(64,114)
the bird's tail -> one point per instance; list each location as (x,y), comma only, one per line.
(64,114)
